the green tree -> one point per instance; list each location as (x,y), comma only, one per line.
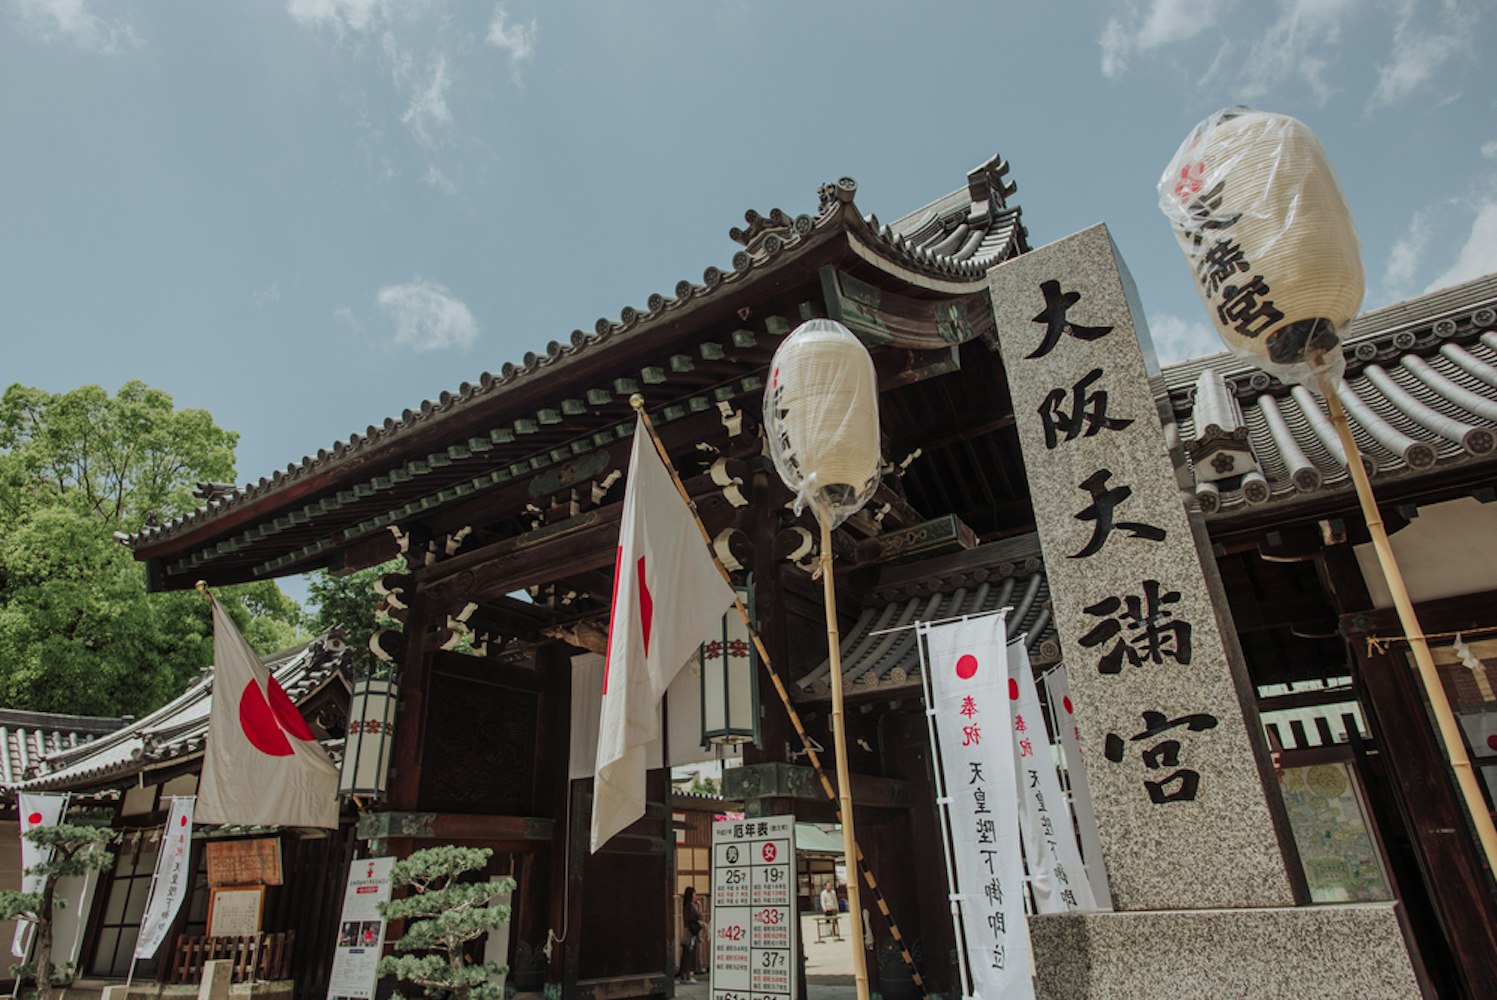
(347,602)
(75,850)
(443,914)
(78,632)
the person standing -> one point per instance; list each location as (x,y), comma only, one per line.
(691,932)
(830,910)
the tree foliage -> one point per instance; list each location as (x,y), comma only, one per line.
(78,632)
(443,914)
(74,850)
(347,602)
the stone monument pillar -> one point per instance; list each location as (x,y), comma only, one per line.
(1200,859)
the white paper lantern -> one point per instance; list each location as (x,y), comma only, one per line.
(821,414)
(371,730)
(1268,238)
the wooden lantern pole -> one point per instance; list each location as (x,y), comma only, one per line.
(1450,733)
(839,747)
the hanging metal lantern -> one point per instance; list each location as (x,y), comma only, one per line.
(371,731)
(730,683)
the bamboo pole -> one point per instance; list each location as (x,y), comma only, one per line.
(839,747)
(1449,730)
(637,401)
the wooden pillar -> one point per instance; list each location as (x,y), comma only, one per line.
(1458,884)
(775,731)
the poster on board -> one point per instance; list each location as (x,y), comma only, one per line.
(361,930)
(755,927)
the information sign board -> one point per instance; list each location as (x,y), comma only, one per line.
(755,928)
(361,930)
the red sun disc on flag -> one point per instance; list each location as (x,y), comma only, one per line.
(286,713)
(1066,701)
(258,720)
(966,667)
(769,852)
(1013,689)
(34,819)
(182,821)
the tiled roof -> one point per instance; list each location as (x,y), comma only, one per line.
(879,652)
(953,240)
(177,731)
(27,737)
(1420,391)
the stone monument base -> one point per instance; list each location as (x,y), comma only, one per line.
(1354,950)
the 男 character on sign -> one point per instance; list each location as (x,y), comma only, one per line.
(1145,630)
(1165,753)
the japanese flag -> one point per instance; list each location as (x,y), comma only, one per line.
(263,765)
(667,594)
(35,809)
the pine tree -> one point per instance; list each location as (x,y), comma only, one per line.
(76,850)
(443,915)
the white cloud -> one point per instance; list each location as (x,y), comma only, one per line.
(340,15)
(427,316)
(1302,41)
(1115,44)
(439,180)
(1489,150)
(1166,22)
(427,113)
(1421,48)
(265,296)
(1479,255)
(1172,21)
(1176,339)
(71,21)
(517,38)
(1406,255)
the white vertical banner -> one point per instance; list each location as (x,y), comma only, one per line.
(968,669)
(172,878)
(361,930)
(1055,870)
(1064,710)
(35,809)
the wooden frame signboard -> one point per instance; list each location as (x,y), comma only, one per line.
(235,912)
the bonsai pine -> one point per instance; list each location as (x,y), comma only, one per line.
(443,914)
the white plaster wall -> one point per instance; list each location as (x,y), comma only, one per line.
(1450,549)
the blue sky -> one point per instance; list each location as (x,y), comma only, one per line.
(306,216)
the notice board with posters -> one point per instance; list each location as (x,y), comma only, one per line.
(755,927)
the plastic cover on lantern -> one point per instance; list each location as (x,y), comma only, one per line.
(1269,241)
(821,416)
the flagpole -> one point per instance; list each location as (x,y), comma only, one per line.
(1439,703)
(839,747)
(856,855)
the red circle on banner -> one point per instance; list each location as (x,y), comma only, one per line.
(1066,701)
(285,711)
(966,666)
(182,821)
(34,818)
(1013,689)
(259,723)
